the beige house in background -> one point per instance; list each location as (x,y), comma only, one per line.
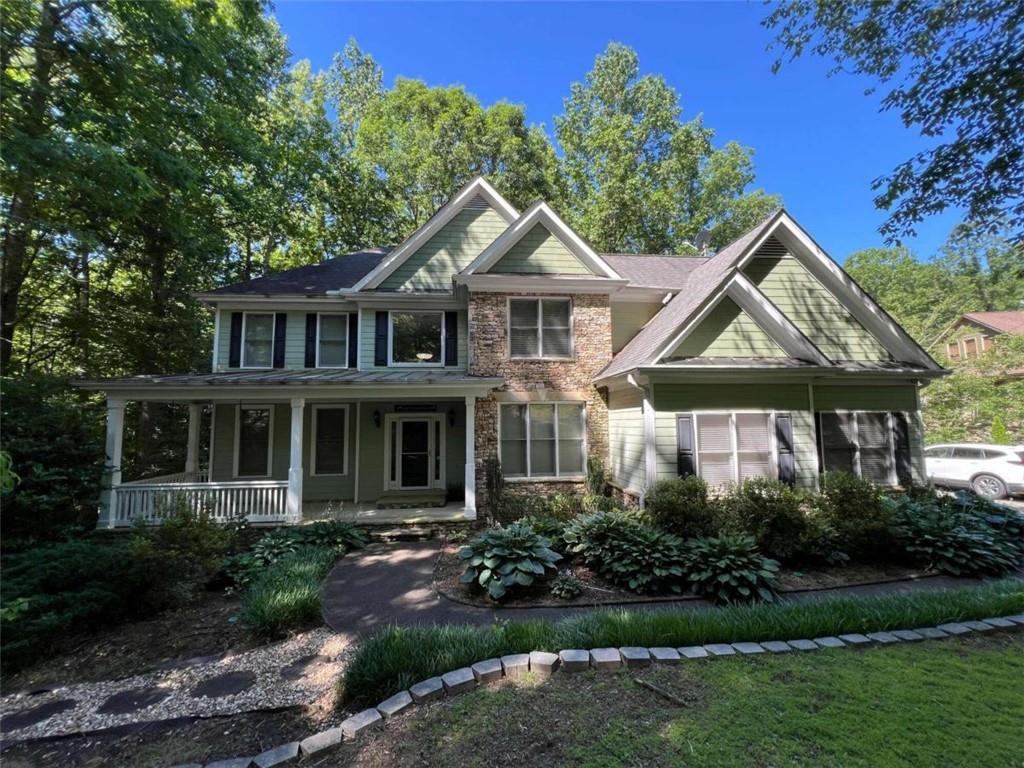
(975,333)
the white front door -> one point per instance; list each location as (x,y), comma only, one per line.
(416,447)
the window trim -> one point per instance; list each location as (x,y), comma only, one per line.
(312,442)
(273,340)
(529,477)
(893,477)
(773,446)
(348,331)
(239,407)
(391,338)
(540,328)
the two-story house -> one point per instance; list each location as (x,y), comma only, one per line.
(386,378)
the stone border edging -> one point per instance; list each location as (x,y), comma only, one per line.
(545,664)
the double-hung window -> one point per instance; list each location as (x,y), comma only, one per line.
(733,447)
(330,440)
(860,443)
(542,440)
(540,328)
(417,338)
(257,340)
(254,431)
(332,341)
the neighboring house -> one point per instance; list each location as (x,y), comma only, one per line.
(388,378)
(975,333)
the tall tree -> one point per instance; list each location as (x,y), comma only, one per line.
(954,70)
(640,179)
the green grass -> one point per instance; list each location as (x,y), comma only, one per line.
(396,658)
(949,703)
(286,596)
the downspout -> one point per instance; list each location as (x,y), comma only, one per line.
(650,450)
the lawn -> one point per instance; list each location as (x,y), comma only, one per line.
(947,703)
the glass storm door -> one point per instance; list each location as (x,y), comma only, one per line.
(415,453)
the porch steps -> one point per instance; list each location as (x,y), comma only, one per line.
(389,533)
(412,500)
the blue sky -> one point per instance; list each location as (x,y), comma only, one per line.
(818,141)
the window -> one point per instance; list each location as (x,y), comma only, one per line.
(254,428)
(859,443)
(258,340)
(540,328)
(417,338)
(971,347)
(953,350)
(330,440)
(968,453)
(542,440)
(942,452)
(332,341)
(733,447)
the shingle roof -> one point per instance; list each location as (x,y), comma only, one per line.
(649,271)
(311,280)
(1011,321)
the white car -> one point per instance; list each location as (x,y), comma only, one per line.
(992,471)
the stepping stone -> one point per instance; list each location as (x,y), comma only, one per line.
(277,755)
(665,655)
(635,657)
(605,658)
(228,684)
(954,628)
(132,701)
(885,638)
(515,665)
(693,652)
(1000,623)
(487,671)
(829,642)
(978,626)
(1017,618)
(543,663)
(231,762)
(368,718)
(720,649)
(458,681)
(425,690)
(931,633)
(776,646)
(304,666)
(907,635)
(748,648)
(27,717)
(395,705)
(855,638)
(804,645)
(320,741)
(574,660)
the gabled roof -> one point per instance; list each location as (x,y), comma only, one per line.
(311,280)
(654,271)
(1011,321)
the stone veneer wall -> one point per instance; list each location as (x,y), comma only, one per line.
(592,341)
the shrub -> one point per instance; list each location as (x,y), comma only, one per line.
(566,586)
(285,596)
(729,569)
(593,536)
(335,535)
(338,535)
(273,546)
(549,527)
(597,477)
(681,506)
(769,511)
(506,558)
(858,512)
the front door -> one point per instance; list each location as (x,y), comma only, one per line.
(415,455)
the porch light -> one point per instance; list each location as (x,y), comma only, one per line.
(424,356)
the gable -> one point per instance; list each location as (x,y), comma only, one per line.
(539,252)
(727,331)
(456,244)
(811,307)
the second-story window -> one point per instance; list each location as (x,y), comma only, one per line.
(258,336)
(332,341)
(540,328)
(417,338)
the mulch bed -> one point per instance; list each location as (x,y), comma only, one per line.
(449,569)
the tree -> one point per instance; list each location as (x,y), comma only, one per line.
(639,179)
(955,70)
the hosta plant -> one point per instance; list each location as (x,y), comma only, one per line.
(504,559)
(338,535)
(566,586)
(729,569)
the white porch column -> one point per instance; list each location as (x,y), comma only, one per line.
(470,482)
(112,464)
(195,414)
(294,511)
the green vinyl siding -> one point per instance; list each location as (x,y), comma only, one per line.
(539,252)
(448,252)
(295,338)
(812,309)
(863,397)
(728,331)
(628,317)
(367,341)
(223,451)
(626,439)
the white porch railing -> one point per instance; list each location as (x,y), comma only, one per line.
(260,501)
(174,477)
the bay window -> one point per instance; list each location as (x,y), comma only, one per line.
(542,440)
(540,328)
(257,340)
(417,338)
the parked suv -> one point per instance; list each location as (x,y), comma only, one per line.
(992,471)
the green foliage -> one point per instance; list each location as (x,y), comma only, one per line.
(771,512)
(681,505)
(395,658)
(285,596)
(504,559)
(729,569)
(339,535)
(8,477)
(550,528)
(858,513)
(566,586)
(336,536)
(597,477)
(1000,435)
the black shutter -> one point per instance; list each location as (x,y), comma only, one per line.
(353,340)
(451,338)
(784,445)
(380,340)
(901,440)
(685,463)
(280,329)
(311,339)
(235,347)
